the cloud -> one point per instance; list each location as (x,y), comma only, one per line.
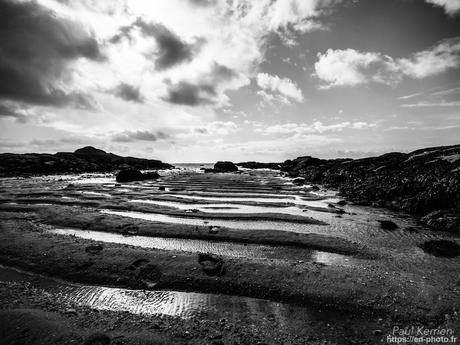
(282,86)
(37,49)
(351,67)
(128,93)
(171,50)
(7,111)
(130,136)
(218,128)
(431,104)
(438,59)
(204,91)
(451,7)
(451,91)
(302,129)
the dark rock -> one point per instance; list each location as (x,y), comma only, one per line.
(447,220)
(94,249)
(341,203)
(419,182)
(225,166)
(388,225)
(298,181)
(97,339)
(137,263)
(161,188)
(130,175)
(86,159)
(442,248)
(259,165)
(212,265)
(150,272)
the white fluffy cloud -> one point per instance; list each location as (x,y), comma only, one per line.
(440,58)
(352,67)
(451,7)
(283,87)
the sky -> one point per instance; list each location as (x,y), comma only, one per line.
(240,80)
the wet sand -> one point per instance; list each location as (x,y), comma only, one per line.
(281,247)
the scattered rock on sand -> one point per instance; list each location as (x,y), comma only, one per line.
(212,265)
(225,166)
(213,229)
(441,248)
(94,249)
(388,225)
(150,272)
(97,339)
(130,175)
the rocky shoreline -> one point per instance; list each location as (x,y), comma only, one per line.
(246,234)
(425,183)
(85,160)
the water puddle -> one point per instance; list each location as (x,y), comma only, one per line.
(222,207)
(229,223)
(173,303)
(228,249)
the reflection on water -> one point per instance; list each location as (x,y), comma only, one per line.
(228,249)
(230,223)
(232,208)
(174,303)
(253,311)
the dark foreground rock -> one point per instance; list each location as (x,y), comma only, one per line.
(225,166)
(259,165)
(388,225)
(425,183)
(130,175)
(86,159)
(212,265)
(441,248)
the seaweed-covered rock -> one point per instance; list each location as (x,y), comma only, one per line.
(225,166)
(130,175)
(86,159)
(425,183)
(388,225)
(441,248)
(212,265)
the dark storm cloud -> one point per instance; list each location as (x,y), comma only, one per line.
(205,92)
(171,49)
(128,93)
(190,94)
(129,136)
(36,47)
(7,111)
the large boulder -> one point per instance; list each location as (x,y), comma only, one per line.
(130,175)
(225,166)
(442,248)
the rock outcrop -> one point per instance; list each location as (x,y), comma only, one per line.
(130,175)
(425,182)
(225,167)
(86,159)
(259,165)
